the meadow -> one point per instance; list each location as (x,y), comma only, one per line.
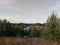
(25,41)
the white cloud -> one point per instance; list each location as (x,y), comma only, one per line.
(10,17)
(55,6)
(20,19)
(25,8)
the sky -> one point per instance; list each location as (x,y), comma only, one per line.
(28,11)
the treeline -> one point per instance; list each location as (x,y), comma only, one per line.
(8,29)
(50,30)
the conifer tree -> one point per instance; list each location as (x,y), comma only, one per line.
(51,27)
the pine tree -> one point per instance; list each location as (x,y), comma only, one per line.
(51,27)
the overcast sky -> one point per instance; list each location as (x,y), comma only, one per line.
(28,11)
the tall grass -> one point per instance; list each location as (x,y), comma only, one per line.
(24,41)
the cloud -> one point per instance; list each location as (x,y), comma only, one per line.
(21,4)
(14,18)
(55,6)
(10,17)
(8,4)
(22,10)
(4,1)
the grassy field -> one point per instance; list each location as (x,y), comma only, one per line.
(25,41)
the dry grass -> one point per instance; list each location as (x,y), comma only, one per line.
(24,41)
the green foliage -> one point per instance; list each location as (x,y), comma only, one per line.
(35,32)
(52,30)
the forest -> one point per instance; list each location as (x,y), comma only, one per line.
(49,30)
